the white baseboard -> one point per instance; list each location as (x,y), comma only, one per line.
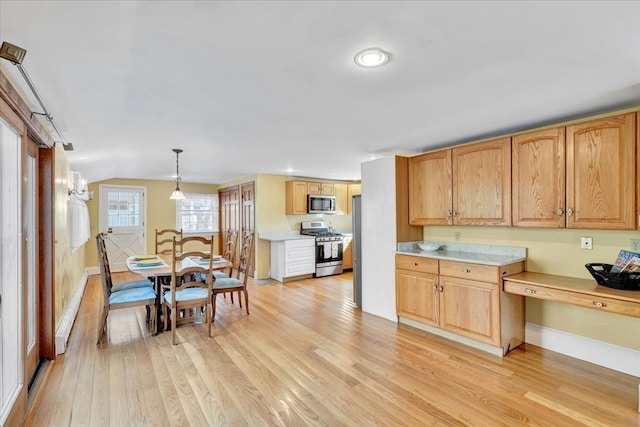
(93,270)
(597,352)
(64,329)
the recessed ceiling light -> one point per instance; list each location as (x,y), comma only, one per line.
(372,57)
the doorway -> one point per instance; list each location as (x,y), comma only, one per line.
(122,217)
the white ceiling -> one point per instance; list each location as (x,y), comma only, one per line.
(270,87)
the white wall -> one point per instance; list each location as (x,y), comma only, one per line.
(379,237)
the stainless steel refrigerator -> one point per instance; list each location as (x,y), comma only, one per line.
(356,208)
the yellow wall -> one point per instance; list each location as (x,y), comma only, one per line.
(558,252)
(69,267)
(161,211)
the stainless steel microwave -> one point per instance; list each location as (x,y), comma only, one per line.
(317,204)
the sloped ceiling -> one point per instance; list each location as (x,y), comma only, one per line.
(271,87)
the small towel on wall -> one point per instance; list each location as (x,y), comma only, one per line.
(79,223)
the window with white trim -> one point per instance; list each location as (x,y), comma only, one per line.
(197,213)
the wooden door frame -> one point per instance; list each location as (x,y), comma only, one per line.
(30,149)
(231,189)
(46,209)
(252,184)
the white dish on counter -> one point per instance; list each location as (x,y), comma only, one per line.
(429,246)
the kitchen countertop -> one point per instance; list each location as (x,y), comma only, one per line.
(466,252)
(278,236)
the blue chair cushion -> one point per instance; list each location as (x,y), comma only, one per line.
(134,284)
(226,283)
(132,295)
(187,294)
(220,275)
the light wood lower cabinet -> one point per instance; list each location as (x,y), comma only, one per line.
(417,295)
(347,253)
(468,302)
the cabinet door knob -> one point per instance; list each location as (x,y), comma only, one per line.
(466,270)
(449,214)
(415,264)
(435,287)
(455,213)
(570,212)
(560,211)
(441,289)
(599,304)
(530,291)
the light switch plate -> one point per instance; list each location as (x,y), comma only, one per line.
(634,245)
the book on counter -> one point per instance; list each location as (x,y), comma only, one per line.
(627,262)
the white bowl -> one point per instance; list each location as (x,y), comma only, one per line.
(429,246)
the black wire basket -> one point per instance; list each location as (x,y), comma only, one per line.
(624,281)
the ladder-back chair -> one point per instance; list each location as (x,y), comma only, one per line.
(187,291)
(122,295)
(239,282)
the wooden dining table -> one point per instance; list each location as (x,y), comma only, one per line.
(156,272)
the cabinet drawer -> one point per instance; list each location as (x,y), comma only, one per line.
(417,263)
(571,297)
(465,270)
(484,273)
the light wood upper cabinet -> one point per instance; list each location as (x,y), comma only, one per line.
(582,176)
(297,191)
(482,183)
(322,188)
(430,189)
(343,194)
(352,190)
(296,198)
(342,200)
(601,171)
(469,185)
(538,178)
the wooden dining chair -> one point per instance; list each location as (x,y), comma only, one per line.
(239,282)
(122,295)
(101,239)
(229,253)
(188,293)
(164,240)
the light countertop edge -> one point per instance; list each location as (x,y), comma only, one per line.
(278,236)
(476,254)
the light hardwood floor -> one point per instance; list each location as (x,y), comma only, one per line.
(307,356)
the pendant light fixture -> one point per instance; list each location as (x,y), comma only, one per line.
(177,194)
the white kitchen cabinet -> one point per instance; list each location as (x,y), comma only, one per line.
(292,258)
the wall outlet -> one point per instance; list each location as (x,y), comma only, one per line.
(635,245)
(456,235)
(586,243)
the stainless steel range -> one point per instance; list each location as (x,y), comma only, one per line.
(329,245)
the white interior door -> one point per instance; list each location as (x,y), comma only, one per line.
(123,219)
